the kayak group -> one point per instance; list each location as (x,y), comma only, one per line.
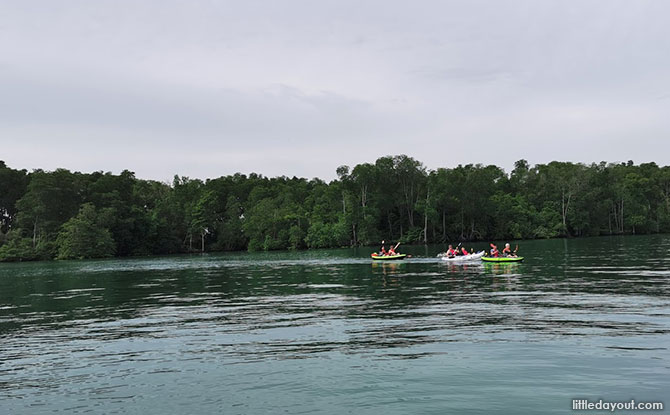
(458,254)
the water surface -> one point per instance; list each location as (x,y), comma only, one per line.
(331,332)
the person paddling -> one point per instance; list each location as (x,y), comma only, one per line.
(494,251)
(383,250)
(392,249)
(451,252)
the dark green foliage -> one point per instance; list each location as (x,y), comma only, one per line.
(13,184)
(50,200)
(73,215)
(85,235)
(17,248)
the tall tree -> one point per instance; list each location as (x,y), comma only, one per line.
(85,236)
(51,199)
(13,184)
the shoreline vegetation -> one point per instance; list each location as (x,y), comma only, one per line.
(68,215)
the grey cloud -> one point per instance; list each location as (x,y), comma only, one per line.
(300,87)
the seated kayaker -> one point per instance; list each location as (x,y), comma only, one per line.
(383,251)
(494,251)
(464,251)
(507,251)
(393,248)
(451,252)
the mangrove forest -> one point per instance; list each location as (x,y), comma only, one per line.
(62,214)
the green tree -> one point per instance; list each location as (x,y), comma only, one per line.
(18,248)
(51,199)
(84,236)
(13,184)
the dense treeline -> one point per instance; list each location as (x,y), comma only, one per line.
(62,214)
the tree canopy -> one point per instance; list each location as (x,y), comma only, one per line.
(63,214)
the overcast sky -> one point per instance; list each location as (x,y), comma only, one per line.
(209,88)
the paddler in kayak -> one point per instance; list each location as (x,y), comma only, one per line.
(507,251)
(392,249)
(451,252)
(382,251)
(494,251)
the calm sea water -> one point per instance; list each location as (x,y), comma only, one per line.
(331,332)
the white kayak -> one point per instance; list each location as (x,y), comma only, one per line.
(464,258)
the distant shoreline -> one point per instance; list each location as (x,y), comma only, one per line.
(69,215)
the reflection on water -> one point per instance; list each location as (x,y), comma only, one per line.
(326,330)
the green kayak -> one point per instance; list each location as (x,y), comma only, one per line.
(388,257)
(502,259)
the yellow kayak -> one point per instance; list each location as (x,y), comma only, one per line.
(388,257)
(502,259)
